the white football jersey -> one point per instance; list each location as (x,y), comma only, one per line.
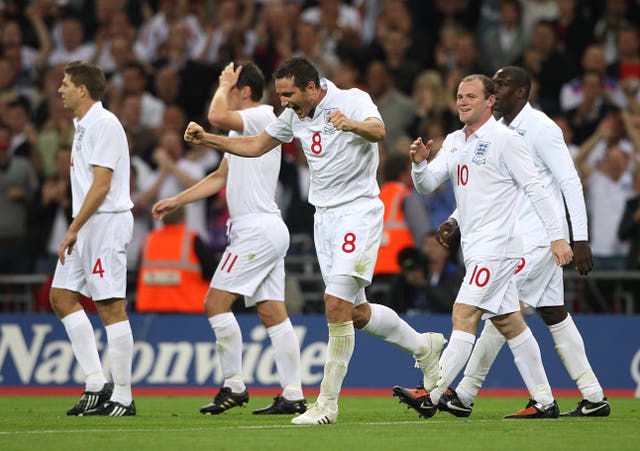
(558,175)
(252,182)
(343,165)
(100,140)
(487,172)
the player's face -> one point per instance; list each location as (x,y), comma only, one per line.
(301,101)
(472,104)
(70,93)
(505,92)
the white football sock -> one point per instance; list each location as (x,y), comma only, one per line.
(571,350)
(526,355)
(386,324)
(83,342)
(286,353)
(120,340)
(340,347)
(484,354)
(452,361)
(229,345)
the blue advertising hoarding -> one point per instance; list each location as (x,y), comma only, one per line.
(179,350)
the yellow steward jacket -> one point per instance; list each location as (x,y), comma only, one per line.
(169,278)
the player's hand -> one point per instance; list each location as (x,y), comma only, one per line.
(194,133)
(66,247)
(419,151)
(340,121)
(163,207)
(229,76)
(562,252)
(582,257)
(446,229)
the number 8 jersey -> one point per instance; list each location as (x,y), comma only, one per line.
(343,165)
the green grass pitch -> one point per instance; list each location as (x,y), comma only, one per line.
(365,423)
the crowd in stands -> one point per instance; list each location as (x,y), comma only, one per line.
(163,58)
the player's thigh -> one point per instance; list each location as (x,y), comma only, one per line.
(104,255)
(539,279)
(254,258)
(489,285)
(348,238)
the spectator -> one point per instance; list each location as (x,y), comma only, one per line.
(629,229)
(432,103)
(50,213)
(429,281)
(504,42)
(175,269)
(402,67)
(175,174)
(26,59)
(405,217)
(397,110)
(135,82)
(573,27)
(229,36)
(593,108)
(55,133)
(547,64)
(572,92)
(339,22)
(309,42)
(608,185)
(18,185)
(72,46)
(612,19)
(627,64)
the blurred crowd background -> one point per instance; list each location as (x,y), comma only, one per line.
(163,58)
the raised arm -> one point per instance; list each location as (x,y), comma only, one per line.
(220,115)
(206,187)
(243,146)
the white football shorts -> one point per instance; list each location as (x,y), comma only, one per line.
(489,285)
(253,263)
(97,266)
(347,239)
(539,279)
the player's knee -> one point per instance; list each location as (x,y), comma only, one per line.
(271,313)
(553,315)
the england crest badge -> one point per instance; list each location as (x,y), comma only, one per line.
(328,126)
(480,153)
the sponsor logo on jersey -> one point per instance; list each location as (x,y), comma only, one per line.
(480,153)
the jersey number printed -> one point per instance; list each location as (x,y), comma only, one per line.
(316,144)
(463,175)
(349,244)
(479,276)
(97,268)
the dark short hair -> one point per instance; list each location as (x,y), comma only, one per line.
(300,70)
(520,77)
(252,76)
(90,75)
